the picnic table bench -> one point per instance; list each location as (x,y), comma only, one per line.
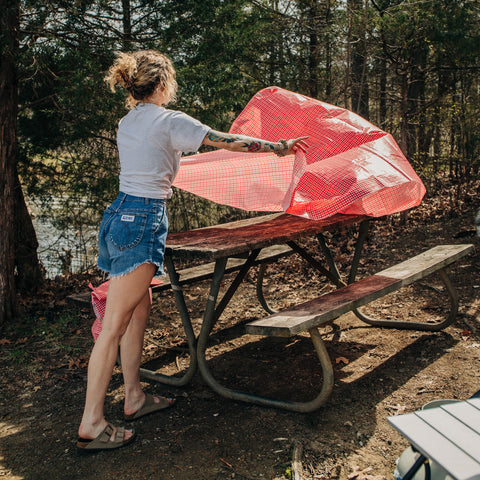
(308,316)
(204,271)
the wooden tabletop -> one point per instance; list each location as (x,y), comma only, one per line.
(448,434)
(237,238)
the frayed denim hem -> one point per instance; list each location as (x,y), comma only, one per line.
(158,272)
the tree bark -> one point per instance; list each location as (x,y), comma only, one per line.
(358,58)
(415,101)
(29,273)
(127,25)
(313,80)
(382,115)
(328,53)
(9,27)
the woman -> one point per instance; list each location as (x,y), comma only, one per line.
(132,235)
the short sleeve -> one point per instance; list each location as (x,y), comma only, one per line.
(186,133)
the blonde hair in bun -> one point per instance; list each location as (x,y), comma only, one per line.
(141,73)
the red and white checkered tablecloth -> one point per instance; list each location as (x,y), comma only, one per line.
(351,167)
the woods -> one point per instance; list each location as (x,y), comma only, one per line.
(412,68)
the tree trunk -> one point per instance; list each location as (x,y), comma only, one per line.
(9,26)
(313,50)
(127,25)
(328,52)
(404,114)
(382,115)
(358,60)
(29,272)
(415,96)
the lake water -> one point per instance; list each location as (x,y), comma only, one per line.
(62,251)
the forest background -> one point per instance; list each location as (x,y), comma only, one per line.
(410,67)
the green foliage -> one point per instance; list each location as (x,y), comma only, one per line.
(420,68)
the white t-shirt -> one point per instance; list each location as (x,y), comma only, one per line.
(151,140)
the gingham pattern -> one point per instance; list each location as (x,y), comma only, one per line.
(351,167)
(99,302)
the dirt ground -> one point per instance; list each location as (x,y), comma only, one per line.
(378,373)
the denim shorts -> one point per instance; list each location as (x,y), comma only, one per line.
(133,232)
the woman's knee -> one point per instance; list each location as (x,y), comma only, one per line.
(114,330)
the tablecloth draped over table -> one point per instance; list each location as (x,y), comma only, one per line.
(351,167)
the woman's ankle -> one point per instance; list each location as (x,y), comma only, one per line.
(91,429)
(134,399)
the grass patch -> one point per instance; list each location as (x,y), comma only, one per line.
(44,340)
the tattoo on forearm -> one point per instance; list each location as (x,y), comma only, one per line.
(250,145)
(217,138)
(253,146)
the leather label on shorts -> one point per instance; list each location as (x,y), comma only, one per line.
(127,218)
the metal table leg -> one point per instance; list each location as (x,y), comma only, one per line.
(210,317)
(362,235)
(301,407)
(332,273)
(187,325)
(421,326)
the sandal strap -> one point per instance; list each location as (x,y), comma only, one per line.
(106,434)
(119,434)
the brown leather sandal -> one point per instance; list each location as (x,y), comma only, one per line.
(103,441)
(150,406)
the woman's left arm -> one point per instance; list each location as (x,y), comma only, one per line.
(242,143)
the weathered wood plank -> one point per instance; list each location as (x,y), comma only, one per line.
(81,299)
(245,235)
(427,262)
(205,271)
(324,309)
(330,306)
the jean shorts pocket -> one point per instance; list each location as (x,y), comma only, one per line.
(127,229)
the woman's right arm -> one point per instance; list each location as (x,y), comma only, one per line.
(242,143)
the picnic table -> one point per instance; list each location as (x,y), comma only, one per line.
(238,246)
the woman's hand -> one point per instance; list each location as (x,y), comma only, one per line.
(295,144)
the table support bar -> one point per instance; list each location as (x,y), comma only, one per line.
(300,407)
(421,326)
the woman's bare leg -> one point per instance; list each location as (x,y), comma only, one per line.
(131,347)
(125,293)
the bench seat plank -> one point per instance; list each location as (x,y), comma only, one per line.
(330,306)
(203,272)
(427,262)
(324,309)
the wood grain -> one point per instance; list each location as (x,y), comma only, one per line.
(330,306)
(235,238)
